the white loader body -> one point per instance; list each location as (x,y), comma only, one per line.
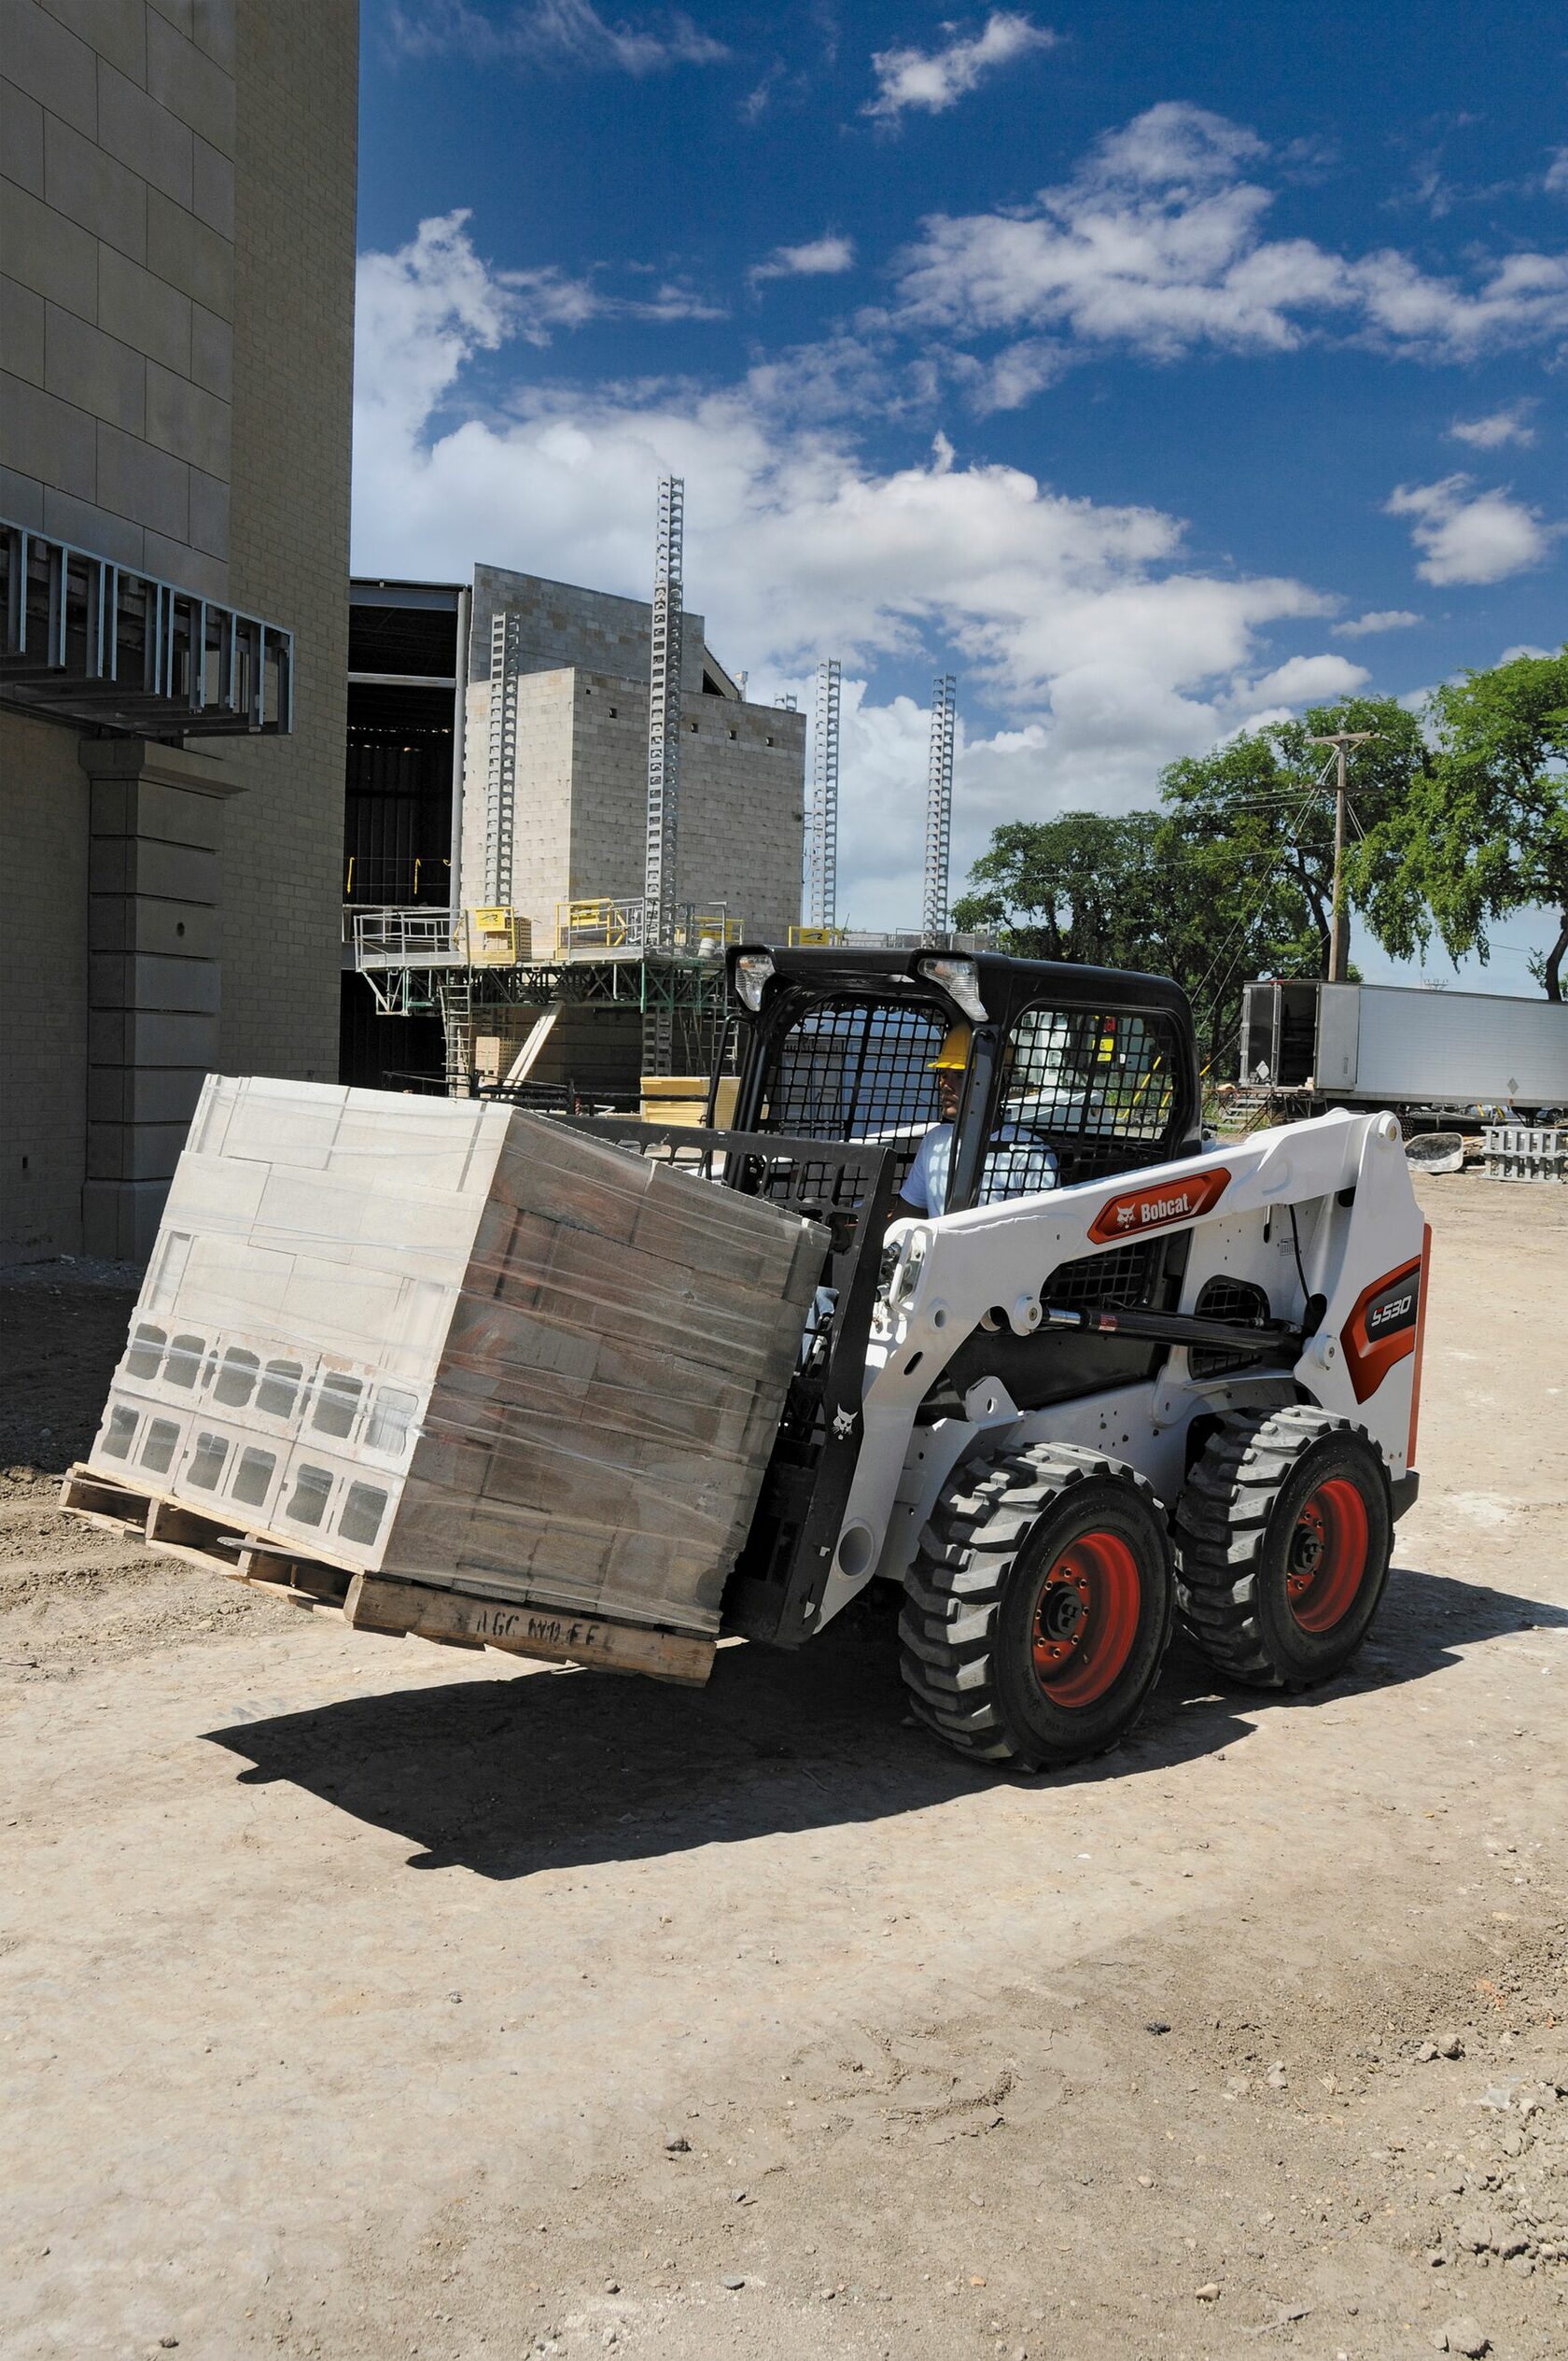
(955,1272)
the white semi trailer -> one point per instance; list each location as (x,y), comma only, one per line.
(1387,1046)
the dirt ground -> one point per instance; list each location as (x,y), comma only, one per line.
(370,1999)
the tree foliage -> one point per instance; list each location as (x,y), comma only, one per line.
(1082,888)
(1454,828)
(1232,878)
(1483,829)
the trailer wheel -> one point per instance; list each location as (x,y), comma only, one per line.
(1038,1607)
(1284,1537)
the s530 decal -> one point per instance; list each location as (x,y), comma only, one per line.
(1381,1329)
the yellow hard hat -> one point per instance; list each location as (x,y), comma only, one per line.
(952,1056)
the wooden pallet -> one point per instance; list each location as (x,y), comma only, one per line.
(374,1603)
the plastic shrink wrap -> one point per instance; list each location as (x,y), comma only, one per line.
(448,1343)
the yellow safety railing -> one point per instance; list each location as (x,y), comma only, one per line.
(600,922)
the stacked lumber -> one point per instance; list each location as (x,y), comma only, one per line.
(453,1346)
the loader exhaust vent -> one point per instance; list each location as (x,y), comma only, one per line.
(1225,1298)
(1124,1275)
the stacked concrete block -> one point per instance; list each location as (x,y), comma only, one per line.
(459,1345)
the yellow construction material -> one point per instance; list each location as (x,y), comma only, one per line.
(498,938)
(682,1100)
(599,923)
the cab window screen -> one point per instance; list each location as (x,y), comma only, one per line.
(858,1070)
(1091,1094)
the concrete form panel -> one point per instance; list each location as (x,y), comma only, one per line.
(144,312)
(21,331)
(87,185)
(47,60)
(22,137)
(140,133)
(52,256)
(95,372)
(190,255)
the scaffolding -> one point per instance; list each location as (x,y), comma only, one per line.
(663,713)
(821,840)
(939,803)
(663,755)
(500,795)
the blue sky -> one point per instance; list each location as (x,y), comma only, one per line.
(1155,369)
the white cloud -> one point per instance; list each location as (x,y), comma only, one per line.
(1377,619)
(1156,243)
(1498,427)
(1556,180)
(1309,680)
(932,80)
(1470,537)
(1013,376)
(823,257)
(1103,652)
(425,310)
(551,33)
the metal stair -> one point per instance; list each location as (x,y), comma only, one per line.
(456,994)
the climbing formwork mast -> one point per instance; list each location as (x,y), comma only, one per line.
(663,751)
(821,897)
(939,804)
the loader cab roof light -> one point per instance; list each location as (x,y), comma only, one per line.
(751,972)
(960,979)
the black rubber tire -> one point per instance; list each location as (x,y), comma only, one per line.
(966,1633)
(1235,1524)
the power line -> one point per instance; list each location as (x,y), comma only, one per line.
(1245,921)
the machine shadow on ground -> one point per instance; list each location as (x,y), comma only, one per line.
(565,1768)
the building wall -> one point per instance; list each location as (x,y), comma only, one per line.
(541,836)
(117,237)
(176,236)
(580,823)
(298,67)
(43,989)
(741,813)
(566,624)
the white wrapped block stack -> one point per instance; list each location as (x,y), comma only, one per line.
(453,1344)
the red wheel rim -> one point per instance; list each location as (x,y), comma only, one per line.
(1327,1560)
(1086,1620)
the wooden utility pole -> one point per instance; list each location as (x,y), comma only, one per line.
(1339,923)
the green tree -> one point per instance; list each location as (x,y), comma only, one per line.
(1084,888)
(1483,830)
(1232,878)
(1253,824)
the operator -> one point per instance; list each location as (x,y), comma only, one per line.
(1031,1165)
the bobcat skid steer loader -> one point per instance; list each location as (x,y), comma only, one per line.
(1115,1374)
(999,1325)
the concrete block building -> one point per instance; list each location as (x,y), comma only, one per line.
(437,772)
(177,245)
(579,778)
